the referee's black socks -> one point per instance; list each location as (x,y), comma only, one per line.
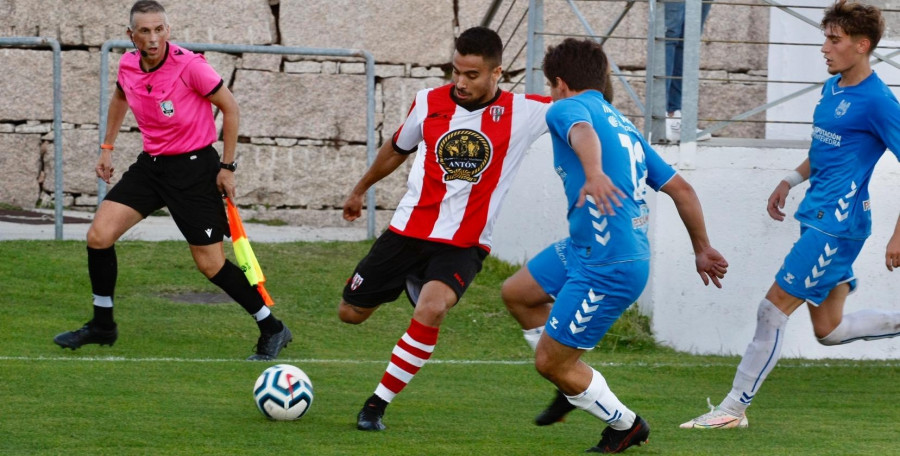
(103,270)
(233,282)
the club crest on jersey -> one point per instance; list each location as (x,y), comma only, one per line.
(168,109)
(496,113)
(463,154)
(841,109)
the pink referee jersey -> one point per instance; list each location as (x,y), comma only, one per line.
(465,163)
(169,101)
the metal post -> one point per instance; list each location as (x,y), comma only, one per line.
(654,115)
(534,76)
(104,100)
(370,141)
(690,82)
(57,120)
(57,140)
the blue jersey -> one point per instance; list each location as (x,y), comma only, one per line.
(630,163)
(852,127)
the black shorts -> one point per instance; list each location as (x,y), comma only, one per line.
(396,260)
(184,183)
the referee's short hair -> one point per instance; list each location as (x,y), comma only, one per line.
(145,6)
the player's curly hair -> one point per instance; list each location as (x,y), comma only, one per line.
(481,41)
(581,63)
(856,20)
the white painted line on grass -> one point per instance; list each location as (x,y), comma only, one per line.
(117,359)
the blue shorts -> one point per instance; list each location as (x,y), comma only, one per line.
(589,298)
(816,264)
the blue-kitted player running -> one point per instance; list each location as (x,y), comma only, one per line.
(856,119)
(606,167)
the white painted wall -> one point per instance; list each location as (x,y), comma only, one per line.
(804,62)
(733,184)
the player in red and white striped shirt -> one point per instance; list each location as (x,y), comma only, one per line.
(469,138)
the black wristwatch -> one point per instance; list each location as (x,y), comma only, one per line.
(229,166)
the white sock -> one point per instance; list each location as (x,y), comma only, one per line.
(868,324)
(600,401)
(103,301)
(759,359)
(532,336)
(262,314)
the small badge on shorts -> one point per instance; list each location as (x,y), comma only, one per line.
(168,108)
(356,281)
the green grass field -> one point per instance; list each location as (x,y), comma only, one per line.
(176,382)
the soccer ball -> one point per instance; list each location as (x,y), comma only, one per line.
(283,392)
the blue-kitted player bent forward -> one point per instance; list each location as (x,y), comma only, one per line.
(856,119)
(607,168)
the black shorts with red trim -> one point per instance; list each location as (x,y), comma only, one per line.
(185,184)
(398,263)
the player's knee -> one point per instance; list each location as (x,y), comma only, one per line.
(207,270)
(508,295)
(834,337)
(829,340)
(545,365)
(351,314)
(97,239)
(208,266)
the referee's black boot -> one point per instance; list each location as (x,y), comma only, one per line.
(269,345)
(87,334)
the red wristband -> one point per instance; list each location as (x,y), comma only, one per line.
(107,146)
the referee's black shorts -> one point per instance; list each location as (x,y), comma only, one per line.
(186,184)
(398,263)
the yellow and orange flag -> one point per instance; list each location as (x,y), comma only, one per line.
(243,253)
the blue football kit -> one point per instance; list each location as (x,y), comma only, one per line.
(603,266)
(852,127)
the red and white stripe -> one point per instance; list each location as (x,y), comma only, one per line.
(408,356)
(459,212)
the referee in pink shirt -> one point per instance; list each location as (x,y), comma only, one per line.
(171,91)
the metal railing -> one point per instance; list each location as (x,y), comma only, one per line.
(650,104)
(57,119)
(282,50)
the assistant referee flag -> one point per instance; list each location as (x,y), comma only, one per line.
(243,253)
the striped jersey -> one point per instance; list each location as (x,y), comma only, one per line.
(466,161)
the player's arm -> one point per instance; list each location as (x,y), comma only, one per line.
(231,118)
(597,184)
(779,195)
(711,265)
(386,162)
(115,116)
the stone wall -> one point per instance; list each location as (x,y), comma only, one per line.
(303,119)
